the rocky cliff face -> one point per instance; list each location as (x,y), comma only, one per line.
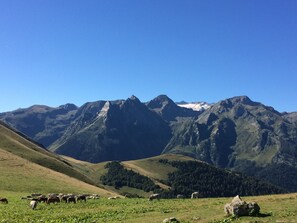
(237,130)
(239,134)
(119,130)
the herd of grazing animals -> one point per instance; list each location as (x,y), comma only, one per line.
(72,198)
(57,198)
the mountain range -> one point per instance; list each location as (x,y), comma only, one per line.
(235,133)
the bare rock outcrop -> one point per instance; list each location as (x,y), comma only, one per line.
(238,208)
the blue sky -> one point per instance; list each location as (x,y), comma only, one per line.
(58,51)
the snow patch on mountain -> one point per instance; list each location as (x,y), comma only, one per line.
(196,106)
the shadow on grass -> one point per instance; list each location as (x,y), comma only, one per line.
(263,215)
(230,219)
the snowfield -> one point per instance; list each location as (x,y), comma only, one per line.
(196,106)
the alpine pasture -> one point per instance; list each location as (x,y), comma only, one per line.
(275,208)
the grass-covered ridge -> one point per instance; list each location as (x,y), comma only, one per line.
(20,175)
(176,174)
(26,167)
(16,144)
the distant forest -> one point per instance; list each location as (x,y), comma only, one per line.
(190,176)
(118,177)
(213,182)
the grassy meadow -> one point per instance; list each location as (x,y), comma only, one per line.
(274,208)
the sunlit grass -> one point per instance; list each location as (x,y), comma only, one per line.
(274,208)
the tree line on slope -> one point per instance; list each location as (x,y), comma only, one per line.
(189,177)
(118,177)
(212,182)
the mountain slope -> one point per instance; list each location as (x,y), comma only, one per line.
(41,123)
(176,174)
(21,175)
(26,167)
(291,117)
(12,142)
(120,130)
(102,130)
(240,134)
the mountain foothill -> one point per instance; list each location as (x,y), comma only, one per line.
(237,133)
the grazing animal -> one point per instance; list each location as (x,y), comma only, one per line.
(195,195)
(94,196)
(180,196)
(81,198)
(3,200)
(29,197)
(154,197)
(172,219)
(53,200)
(64,198)
(42,198)
(33,204)
(114,197)
(71,199)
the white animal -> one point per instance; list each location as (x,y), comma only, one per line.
(33,204)
(195,195)
(154,196)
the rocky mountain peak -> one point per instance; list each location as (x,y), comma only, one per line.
(133,99)
(68,107)
(239,100)
(168,109)
(131,102)
(160,102)
(243,100)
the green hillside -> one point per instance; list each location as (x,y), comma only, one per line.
(26,167)
(150,167)
(172,175)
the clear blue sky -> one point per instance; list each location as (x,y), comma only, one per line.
(58,51)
